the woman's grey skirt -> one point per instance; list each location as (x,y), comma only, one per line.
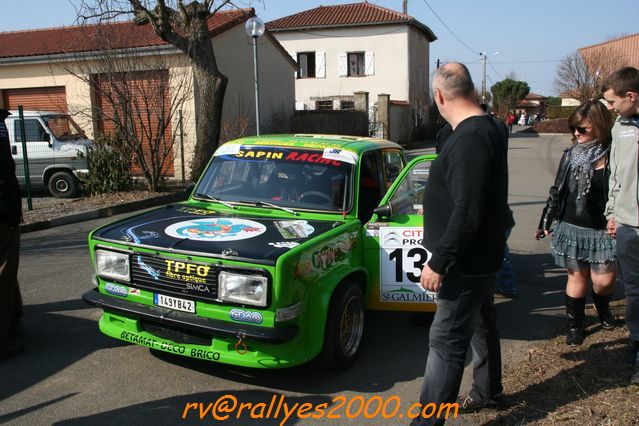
(578,248)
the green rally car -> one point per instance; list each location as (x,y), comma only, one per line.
(275,257)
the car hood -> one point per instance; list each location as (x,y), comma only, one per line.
(181,228)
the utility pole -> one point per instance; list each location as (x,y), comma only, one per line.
(483,80)
(405,7)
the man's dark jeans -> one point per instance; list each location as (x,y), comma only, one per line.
(465,316)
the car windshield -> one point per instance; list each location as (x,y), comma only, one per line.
(63,127)
(287,177)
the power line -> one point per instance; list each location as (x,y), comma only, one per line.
(451,31)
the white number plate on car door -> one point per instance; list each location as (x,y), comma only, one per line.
(174,303)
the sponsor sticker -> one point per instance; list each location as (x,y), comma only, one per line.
(134,291)
(291,229)
(245,316)
(340,155)
(215,229)
(228,149)
(402,258)
(116,289)
(284,244)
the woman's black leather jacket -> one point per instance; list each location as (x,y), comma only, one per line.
(556,203)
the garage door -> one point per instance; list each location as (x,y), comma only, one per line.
(144,97)
(36,98)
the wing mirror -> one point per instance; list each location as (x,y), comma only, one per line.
(385,211)
(189,188)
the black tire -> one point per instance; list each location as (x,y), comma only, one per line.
(344,327)
(63,185)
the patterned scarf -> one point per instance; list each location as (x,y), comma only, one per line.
(584,155)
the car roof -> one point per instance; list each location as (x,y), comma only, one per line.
(357,144)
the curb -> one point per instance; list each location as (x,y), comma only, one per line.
(104,212)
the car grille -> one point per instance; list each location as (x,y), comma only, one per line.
(177,335)
(150,273)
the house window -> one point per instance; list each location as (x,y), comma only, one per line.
(306,62)
(347,105)
(356,66)
(324,105)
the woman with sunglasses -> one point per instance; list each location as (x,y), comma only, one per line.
(575,204)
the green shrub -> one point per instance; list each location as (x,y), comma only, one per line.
(109,167)
(559,111)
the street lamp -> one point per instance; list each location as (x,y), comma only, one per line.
(255,28)
(483,81)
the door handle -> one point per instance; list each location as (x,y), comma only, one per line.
(14,150)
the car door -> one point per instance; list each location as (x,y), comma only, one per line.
(39,152)
(393,251)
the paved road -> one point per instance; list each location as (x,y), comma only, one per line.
(70,374)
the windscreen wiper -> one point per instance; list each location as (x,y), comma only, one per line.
(217,200)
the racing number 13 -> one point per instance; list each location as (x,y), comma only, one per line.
(419,257)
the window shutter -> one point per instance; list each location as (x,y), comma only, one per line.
(294,56)
(320,64)
(342,65)
(369,63)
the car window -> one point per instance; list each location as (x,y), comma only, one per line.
(33,130)
(393,163)
(407,197)
(289,177)
(370,185)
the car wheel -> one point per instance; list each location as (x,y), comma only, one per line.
(344,327)
(63,185)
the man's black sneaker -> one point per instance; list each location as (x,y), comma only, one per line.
(469,405)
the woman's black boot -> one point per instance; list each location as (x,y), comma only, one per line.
(576,310)
(602,304)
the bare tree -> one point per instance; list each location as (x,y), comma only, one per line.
(581,76)
(185,26)
(136,98)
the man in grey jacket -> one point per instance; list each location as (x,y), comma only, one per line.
(621,91)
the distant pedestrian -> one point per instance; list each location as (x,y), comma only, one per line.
(621,91)
(576,203)
(465,211)
(522,119)
(10,217)
(510,120)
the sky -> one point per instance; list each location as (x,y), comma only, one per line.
(525,38)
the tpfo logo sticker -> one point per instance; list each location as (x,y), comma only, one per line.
(216,229)
(245,316)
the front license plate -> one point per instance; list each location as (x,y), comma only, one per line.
(174,303)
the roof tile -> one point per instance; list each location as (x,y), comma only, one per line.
(88,38)
(345,15)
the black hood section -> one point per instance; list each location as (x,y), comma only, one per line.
(182,228)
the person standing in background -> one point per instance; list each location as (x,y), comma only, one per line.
(10,217)
(575,207)
(621,91)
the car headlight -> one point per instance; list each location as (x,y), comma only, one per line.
(243,288)
(110,264)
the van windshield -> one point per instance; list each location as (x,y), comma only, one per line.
(63,127)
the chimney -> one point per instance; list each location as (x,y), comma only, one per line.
(405,7)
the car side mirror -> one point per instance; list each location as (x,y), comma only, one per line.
(47,138)
(385,211)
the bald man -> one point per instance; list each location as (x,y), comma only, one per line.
(465,222)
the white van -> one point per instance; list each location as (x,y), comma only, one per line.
(56,151)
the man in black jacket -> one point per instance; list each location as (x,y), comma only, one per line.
(10,216)
(465,222)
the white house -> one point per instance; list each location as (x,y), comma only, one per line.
(37,71)
(357,47)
